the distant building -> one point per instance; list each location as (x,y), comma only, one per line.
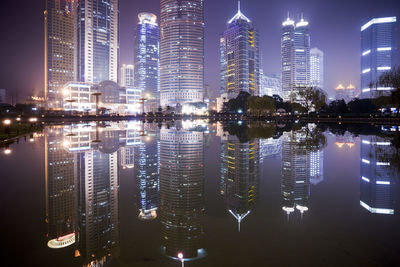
(270,85)
(347,94)
(317,68)
(98,40)
(295,50)
(379,48)
(82,97)
(126,76)
(240,61)
(59,49)
(147,42)
(3,96)
(181,52)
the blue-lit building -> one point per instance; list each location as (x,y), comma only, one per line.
(295,51)
(147,59)
(377,175)
(147,163)
(379,54)
(98,40)
(240,59)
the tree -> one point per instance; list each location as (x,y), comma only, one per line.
(311,97)
(392,79)
(362,106)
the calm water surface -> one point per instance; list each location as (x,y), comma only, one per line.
(133,194)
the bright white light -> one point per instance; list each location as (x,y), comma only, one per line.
(378,21)
(7,122)
(384,88)
(384,68)
(365,179)
(375,210)
(366,52)
(33,120)
(384,49)
(365,142)
(366,90)
(383,164)
(365,161)
(180,255)
(302,23)
(383,182)
(7,151)
(366,71)
(383,143)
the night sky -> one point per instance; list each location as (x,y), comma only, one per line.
(334,27)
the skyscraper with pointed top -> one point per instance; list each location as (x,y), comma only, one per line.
(295,51)
(240,57)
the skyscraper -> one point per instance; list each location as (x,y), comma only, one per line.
(182,52)
(317,68)
(147,58)
(126,76)
(240,62)
(98,40)
(270,84)
(295,50)
(379,49)
(60,48)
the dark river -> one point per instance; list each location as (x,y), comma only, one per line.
(199,194)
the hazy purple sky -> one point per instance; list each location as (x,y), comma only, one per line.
(334,25)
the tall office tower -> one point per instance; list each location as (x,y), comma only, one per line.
(181,52)
(60,190)
(182,192)
(379,54)
(126,75)
(295,51)
(148,59)
(270,148)
(347,94)
(240,62)
(147,158)
(240,175)
(295,172)
(317,68)
(98,40)
(98,206)
(60,48)
(377,175)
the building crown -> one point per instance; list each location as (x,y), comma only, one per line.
(239,16)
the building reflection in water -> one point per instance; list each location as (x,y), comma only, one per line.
(147,173)
(82,187)
(60,190)
(377,174)
(182,191)
(302,165)
(240,175)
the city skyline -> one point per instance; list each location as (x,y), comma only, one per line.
(320,18)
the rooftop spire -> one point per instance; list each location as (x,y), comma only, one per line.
(239,15)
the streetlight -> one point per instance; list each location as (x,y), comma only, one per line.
(7,151)
(180,256)
(7,122)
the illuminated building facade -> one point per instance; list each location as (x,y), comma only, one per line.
(379,54)
(98,40)
(148,59)
(240,176)
(60,47)
(270,84)
(182,192)
(126,76)
(147,158)
(240,61)
(295,186)
(377,175)
(295,51)
(181,52)
(317,68)
(60,190)
(316,167)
